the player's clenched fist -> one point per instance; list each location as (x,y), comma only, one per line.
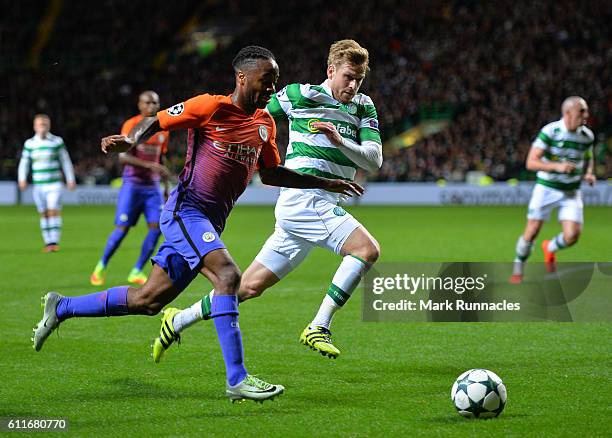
(566,167)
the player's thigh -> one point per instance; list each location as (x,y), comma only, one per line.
(543,200)
(316,220)
(362,244)
(153,204)
(54,200)
(130,205)
(40,198)
(191,234)
(345,235)
(282,253)
(177,269)
(571,208)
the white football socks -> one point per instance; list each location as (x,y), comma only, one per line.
(44,229)
(557,243)
(55,228)
(189,316)
(343,284)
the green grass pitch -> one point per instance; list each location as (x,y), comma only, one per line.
(391,379)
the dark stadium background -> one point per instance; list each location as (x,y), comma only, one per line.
(496,71)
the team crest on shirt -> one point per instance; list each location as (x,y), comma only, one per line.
(263,133)
(177,109)
(208,237)
(339,211)
(351,108)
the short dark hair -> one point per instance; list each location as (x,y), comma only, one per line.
(248,56)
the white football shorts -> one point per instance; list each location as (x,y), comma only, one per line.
(47,196)
(544,199)
(304,219)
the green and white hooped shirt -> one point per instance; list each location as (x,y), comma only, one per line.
(48,157)
(561,145)
(310,151)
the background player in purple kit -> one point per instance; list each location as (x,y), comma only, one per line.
(139,193)
(229,137)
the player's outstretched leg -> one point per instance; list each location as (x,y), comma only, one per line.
(57,308)
(49,321)
(116,301)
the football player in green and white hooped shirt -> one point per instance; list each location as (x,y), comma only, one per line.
(333,131)
(562,154)
(47,154)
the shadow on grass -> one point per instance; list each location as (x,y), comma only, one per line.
(457,419)
(137,389)
(131,388)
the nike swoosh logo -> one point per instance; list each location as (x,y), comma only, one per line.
(218,128)
(259,392)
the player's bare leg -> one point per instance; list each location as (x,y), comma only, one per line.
(116,301)
(524,246)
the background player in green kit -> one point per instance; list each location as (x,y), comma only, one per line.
(333,130)
(562,154)
(46,154)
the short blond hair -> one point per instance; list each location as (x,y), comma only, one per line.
(348,51)
(42,116)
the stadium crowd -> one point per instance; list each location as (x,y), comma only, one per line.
(502,67)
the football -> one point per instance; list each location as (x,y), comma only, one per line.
(479,393)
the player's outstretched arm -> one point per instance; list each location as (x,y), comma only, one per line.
(139,133)
(282,177)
